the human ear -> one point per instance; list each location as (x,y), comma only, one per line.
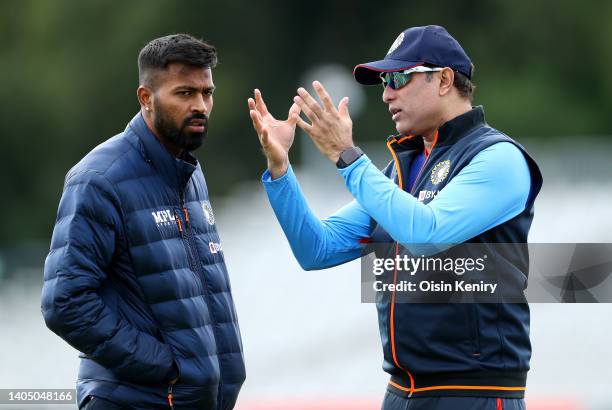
(447,77)
(145,97)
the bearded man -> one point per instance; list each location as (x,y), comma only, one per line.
(136,278)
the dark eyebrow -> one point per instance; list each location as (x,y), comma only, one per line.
(191,88)
(185,87)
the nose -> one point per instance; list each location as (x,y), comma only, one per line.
(388,94)
(200,104)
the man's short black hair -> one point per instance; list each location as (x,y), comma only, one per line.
(464,85)
(174,48)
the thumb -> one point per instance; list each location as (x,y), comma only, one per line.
(294,112)
(265,139)
(343,107)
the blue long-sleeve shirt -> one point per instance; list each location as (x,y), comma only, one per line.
(491,189)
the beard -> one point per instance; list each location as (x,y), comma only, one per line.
(178,136)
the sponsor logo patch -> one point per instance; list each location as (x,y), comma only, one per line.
(215,247)
(163,218)
(166,223)
(424,195)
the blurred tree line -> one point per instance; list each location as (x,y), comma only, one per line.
(69,76)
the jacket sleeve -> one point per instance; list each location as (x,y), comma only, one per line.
(316,244)
(491,189)
(82,247)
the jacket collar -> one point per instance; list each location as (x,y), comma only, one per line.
(449,133)
(175,171)
(460,126)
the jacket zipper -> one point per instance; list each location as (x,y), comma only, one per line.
(392,305)
(185,233)
(192,256)
(428,155)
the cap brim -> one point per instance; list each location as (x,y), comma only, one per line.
(369,73)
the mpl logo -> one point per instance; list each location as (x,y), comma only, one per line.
(166,223)
(163,218)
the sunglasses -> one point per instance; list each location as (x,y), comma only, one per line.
(398,79)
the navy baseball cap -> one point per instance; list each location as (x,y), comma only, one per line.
(417,46)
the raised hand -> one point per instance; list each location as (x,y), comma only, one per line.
(275,136)
(330,129)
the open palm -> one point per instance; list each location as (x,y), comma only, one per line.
(275,136)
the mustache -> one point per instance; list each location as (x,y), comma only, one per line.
(197,116)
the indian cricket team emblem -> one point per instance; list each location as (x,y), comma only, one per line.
(208,213)
(440,171)
(396,43)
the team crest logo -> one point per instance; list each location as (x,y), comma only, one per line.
(208,213)
(440,172)
(396,43)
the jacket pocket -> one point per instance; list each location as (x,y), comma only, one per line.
(130,308)
(474,329)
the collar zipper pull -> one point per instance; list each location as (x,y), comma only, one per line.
(178,223)
(170,397)
(186,217)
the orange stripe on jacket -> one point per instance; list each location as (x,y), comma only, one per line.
(456,387)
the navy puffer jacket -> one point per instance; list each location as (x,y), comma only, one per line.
(136,279)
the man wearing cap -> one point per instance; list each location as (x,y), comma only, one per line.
(453,179)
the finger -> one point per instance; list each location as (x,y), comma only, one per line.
(305,108)
(257,122)
(262,134)
(261,105)
(251,104)
(264,138)
(324,96)
(302,124)
(343,107)
(310,102)
(294,112)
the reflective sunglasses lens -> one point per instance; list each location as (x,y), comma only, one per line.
(386,80)
(395,80)
(401,79)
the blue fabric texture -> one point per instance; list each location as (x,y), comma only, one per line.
(460,211)
(415,168)
(136,279)
(394,402)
